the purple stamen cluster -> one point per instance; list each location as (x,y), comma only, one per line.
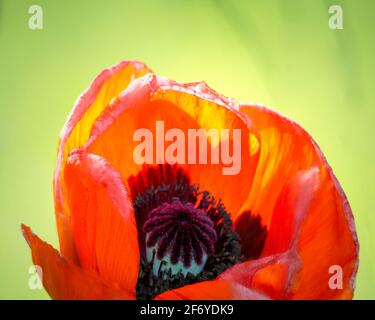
(181,231)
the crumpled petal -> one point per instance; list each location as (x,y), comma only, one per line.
(276,273)
(65,281)
(272,275)
(323,237)
(103,223)
(212,290)
(183,107)
(105,88)
(290,211)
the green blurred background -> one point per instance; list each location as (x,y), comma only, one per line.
(278,53)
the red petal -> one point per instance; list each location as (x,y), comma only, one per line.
(291,209)
(212,290)
(190,106)
(325,235)
(106,87)
(65,281)
(272,275)
(275,274)
(103,222)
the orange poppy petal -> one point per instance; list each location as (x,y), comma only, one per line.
(212,290)
(65,281)
(272,275)
(191,106)
(327,239)
(290,210)
(103,222)
(106,87)
(326,234)
(275,274)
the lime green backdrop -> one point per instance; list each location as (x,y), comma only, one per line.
(278,53)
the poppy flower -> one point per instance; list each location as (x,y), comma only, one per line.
(273,230)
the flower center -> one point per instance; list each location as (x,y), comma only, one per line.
(185,234)
(179,237)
